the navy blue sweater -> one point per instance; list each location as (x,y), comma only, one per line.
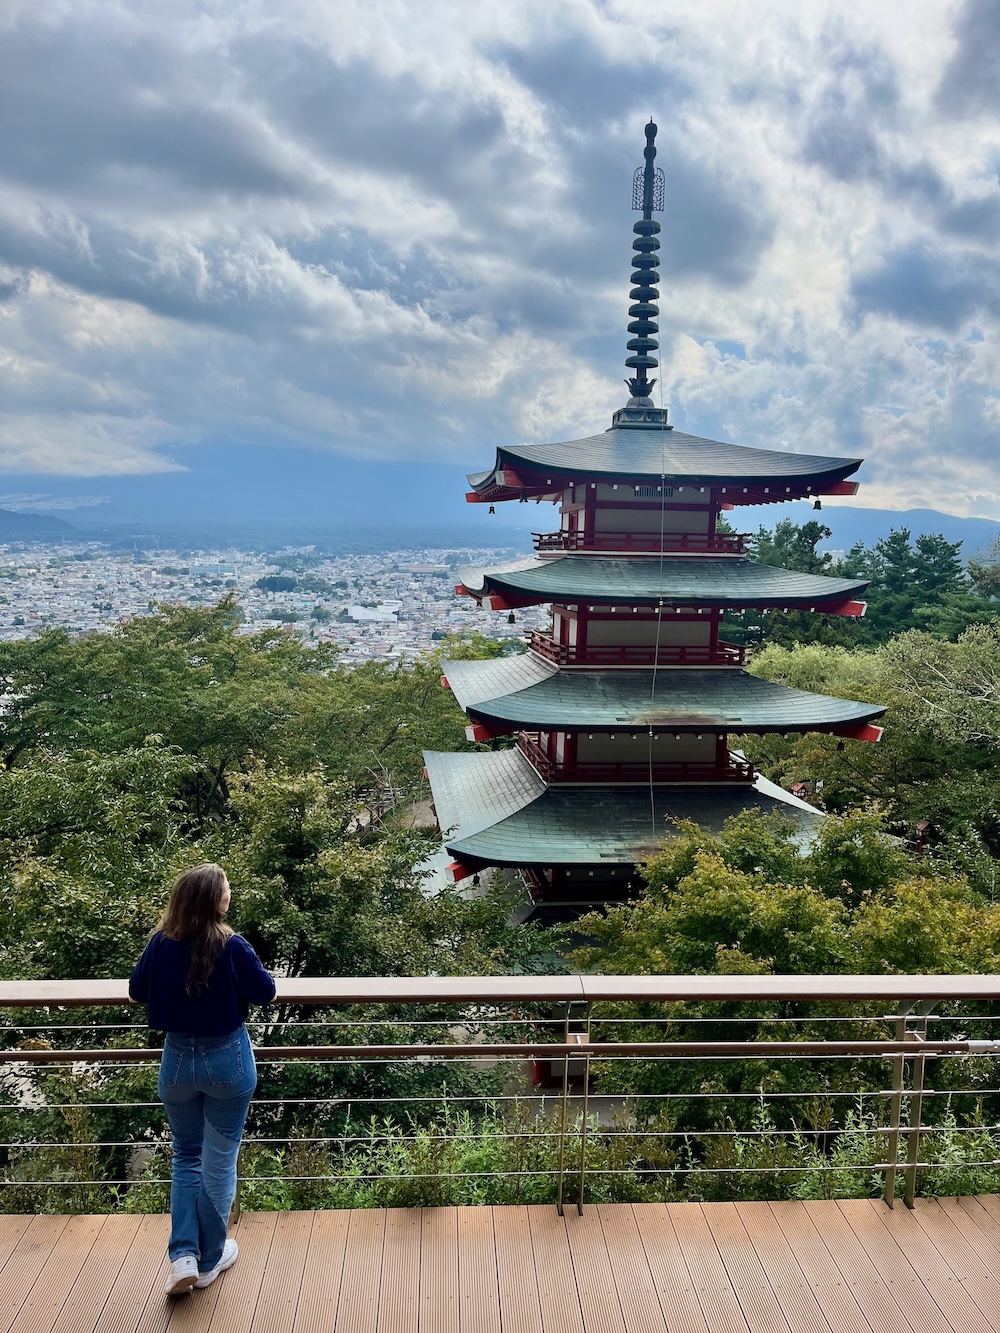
(238,980)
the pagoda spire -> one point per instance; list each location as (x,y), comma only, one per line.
(647,197)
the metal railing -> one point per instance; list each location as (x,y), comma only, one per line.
(732,770)
(644,543)
(626,1086)
(635,655)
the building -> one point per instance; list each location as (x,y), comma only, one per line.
(622,713)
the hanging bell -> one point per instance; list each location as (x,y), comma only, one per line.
(817,504)
(524,497)
(512,619)
(493,509)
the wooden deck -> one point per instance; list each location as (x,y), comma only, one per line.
(846,1267)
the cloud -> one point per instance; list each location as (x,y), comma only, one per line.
(374,231)
(931,287)
(36,504)
(970,85)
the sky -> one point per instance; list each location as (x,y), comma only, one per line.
(340,250)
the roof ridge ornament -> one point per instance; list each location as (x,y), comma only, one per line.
(648,196)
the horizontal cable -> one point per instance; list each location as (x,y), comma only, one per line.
(572,1132)
(542,1050)
(552,1096)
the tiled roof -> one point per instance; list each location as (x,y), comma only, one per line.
(502,814)
(528,692)
(701,581)
(473,791)
(656,452)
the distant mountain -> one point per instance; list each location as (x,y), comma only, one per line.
(850,524)
(15,527)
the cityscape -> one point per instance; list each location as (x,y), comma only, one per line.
(388,607)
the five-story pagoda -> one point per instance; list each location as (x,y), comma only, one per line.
(621,714)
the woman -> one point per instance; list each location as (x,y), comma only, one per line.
(198,980)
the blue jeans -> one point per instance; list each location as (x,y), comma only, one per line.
(206,1084)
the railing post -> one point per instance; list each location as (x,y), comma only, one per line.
(903,1032)
(564,1112)
(916,1107)
(895,1114)
(583,1123)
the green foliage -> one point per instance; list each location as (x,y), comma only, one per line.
(753,900)
(937,760)
(513,1158)
(276,583)
(792,546)
(912,585)
(176,739)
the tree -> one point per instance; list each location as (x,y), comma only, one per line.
(277,583)
(923,585)
(789,546)
(792,546)
(937,759)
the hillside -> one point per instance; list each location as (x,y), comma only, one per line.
(16,527)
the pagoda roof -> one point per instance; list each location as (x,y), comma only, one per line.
(657,453)
(494,809)
(694,581)
(525,691)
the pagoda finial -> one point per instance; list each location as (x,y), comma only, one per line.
(648,188)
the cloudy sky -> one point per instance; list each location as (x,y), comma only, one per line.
(375,230)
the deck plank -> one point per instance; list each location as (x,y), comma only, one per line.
(139,1279)
(362,1276)
(779,1266)
(400,1272)
(947,1232)
(558,1295)
(830,1289)
(848,1266)
(25,1263)
(593,1272)
(758,1302)
(932,1271)
(630,1271)
(478,1279)
(981,1226)
(282,1281)
(98,1276)
(929,1296)
(12,1228)
(57,1275)
(857,1269)
(322,1274)
(237,1291)
(719,1302)
(520,1307)
(439,1270)
(672,1281)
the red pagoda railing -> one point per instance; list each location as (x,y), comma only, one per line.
(735,770)
(718,543)
(635,655)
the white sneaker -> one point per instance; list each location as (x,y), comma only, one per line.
(230,1253)
(183,1275)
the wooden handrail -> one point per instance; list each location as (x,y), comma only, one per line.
(520,990)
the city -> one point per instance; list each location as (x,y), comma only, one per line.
(389,607)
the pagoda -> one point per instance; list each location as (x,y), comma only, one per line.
(620,715)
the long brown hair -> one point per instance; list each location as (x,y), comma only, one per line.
(194,913)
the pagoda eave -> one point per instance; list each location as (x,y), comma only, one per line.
(732,473)
(494,810)
(506,694)
(706,582)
